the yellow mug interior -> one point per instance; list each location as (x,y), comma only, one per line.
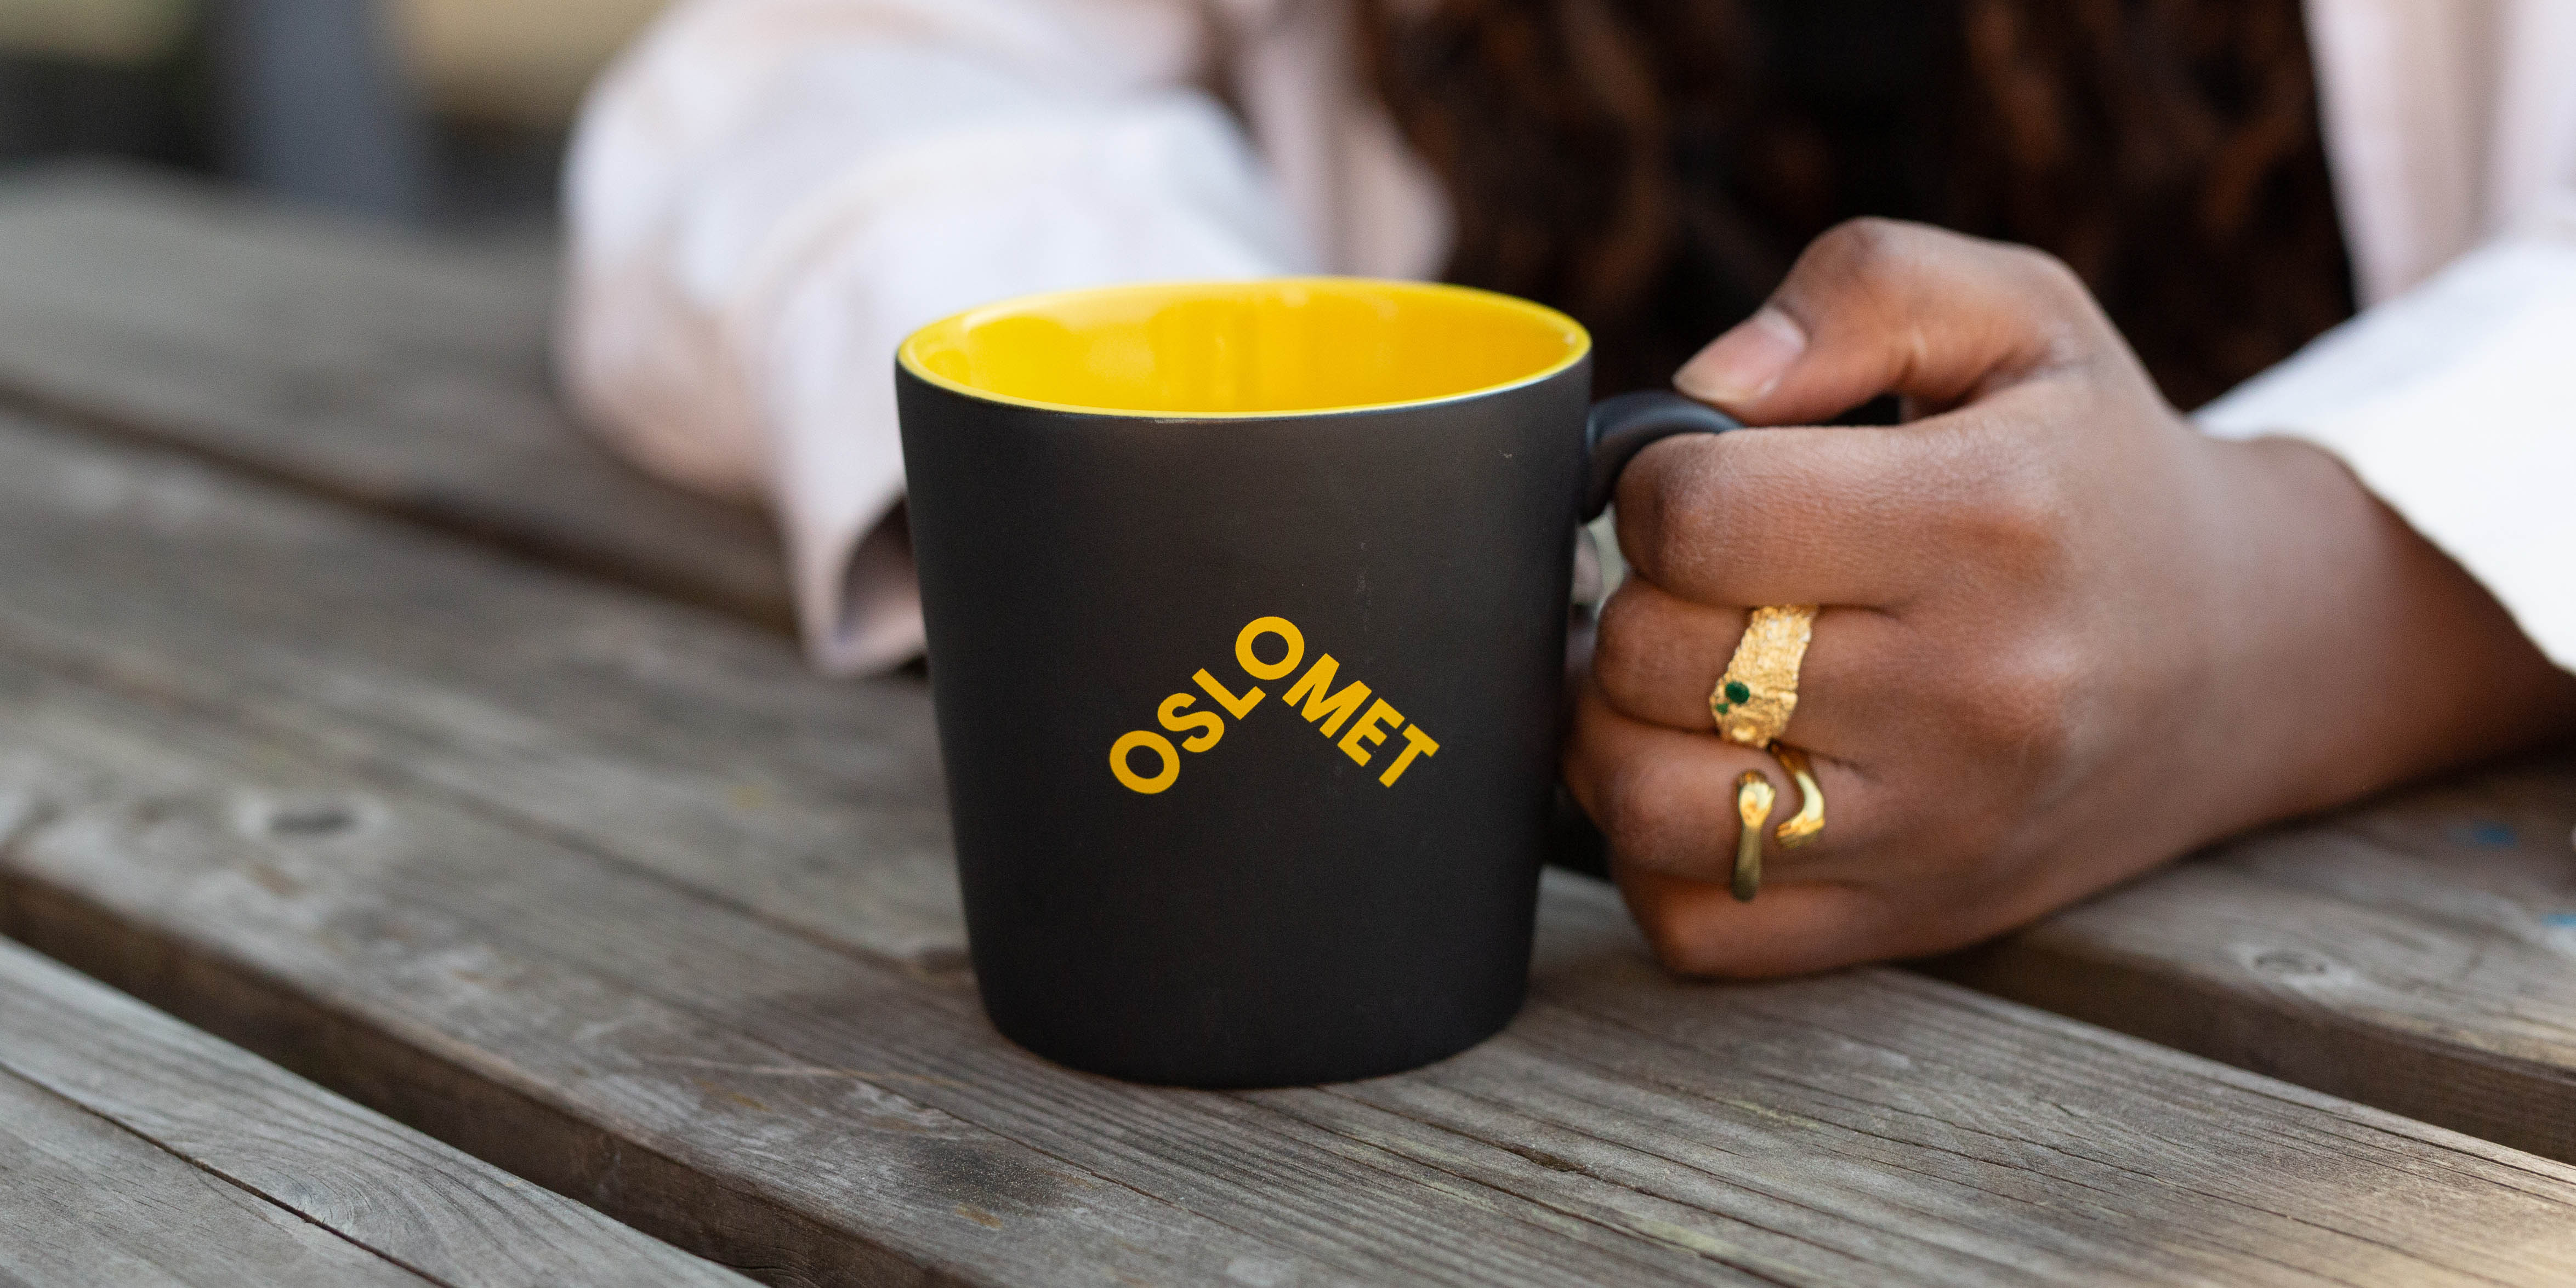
(1279,346)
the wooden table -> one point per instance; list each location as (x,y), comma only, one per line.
(356,711)
(135,1150)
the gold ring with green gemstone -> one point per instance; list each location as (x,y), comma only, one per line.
(1753,700)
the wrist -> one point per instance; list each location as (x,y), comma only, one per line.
(2356,654)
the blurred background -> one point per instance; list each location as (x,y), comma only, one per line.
(445,114)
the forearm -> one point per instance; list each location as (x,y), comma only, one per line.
(2374,657)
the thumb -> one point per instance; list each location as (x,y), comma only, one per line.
(1878,307)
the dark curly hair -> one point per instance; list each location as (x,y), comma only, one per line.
(1653,166)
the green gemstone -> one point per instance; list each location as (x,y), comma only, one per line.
(1736,692)
(1721,708)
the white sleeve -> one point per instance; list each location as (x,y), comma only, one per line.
(2456,404)
(765,196)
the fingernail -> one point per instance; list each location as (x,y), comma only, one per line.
(1742,365)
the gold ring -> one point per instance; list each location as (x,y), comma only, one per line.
(1753,798)
(1811,798)
(1752,701)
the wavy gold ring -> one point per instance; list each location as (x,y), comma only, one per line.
(1810,818)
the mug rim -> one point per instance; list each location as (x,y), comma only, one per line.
(1578,348)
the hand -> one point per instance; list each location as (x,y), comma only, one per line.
(2064,638)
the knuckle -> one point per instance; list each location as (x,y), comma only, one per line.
(1676,939)
(1672,532)
(2046,271)
(1648,820)
(1624,648)
(1870,243)
(1631,814)
(1865,258)
(2052,682)
(2025,713)
(1670,495)
(2068,315)
(2021,520)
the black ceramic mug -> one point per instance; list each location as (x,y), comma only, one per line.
(1247,614)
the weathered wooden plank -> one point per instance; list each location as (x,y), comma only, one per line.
(150,1085)
(273,764)
(83,1201)
(405,374)
(2095,1124)
(2062,1125)
(709,752)
(2413,954)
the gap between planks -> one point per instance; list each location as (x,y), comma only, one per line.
(177,1109)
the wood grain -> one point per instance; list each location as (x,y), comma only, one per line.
(688,742)
(406,374)
(124,1118)
(82,1201)
(360,798)
(2413,954)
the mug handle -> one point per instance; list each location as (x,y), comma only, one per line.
(1621,427)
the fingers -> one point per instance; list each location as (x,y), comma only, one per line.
(1870,515)
(1666,800)
(1658,656)
(1697,927)
(1936,694)
(1864,516)
(1734,518)
(1876,307)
